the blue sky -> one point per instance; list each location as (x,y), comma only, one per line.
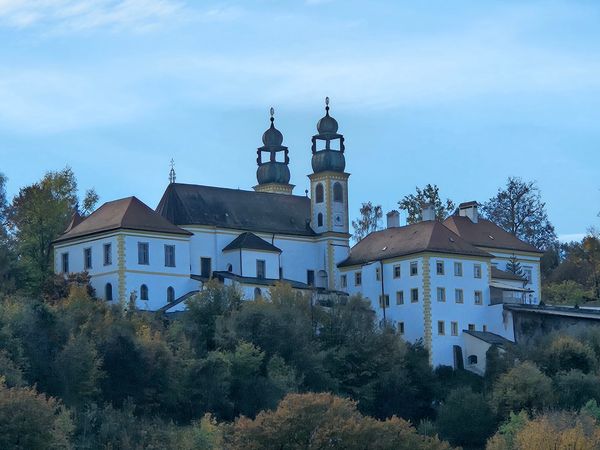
(462,94)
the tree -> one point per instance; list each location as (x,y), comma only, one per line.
(566,353)
(463,406)
(7,255)
(78,368)
(316,421)
(575,388)
(514,266)
(522,387)
(38,215)
(368,222)
(564,293)
(89,202)
(413,204)
(518,209)
(32,421)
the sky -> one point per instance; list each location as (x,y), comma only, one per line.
(461,94)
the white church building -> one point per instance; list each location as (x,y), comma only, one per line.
(442,282)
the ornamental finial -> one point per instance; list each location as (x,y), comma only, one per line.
(172,172)
(327,104)
(272,112)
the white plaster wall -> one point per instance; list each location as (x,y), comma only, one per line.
(477,347)
(249,258)
(449,311)
(75,251)
(157,288)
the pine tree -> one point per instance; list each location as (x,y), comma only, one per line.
(514,266)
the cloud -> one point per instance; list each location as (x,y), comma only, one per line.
(78,15)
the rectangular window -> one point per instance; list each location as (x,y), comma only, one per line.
(477,270)
(310,277)
(441,327)
(384,301)
(65,262)
(458,269)
(107,254)
(87,258)
(478,298)
(527,273)
(485,328)
(439,267)
(143,254)
(458,296)
(401,328)
(281,273)
(378,273)
(261,268)
(344,281)
(397,271)
(400,298)
(205,267)
(454,328)
(441,294)
(414,268)
(414,295)
(471,327)
(169,256)
(357,278)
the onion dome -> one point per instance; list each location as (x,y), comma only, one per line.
(327,124)
(328,159)
(272,171)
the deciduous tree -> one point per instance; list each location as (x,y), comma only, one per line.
(518,208)
(430,194)
(368,221)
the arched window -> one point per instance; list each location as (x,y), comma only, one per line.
(257,293)
(229,268)
(319,193)
(143,292)
(472,359)
(319,220)
(338,192)
(170,294)
(108,292)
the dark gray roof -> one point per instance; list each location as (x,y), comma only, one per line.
(258,281)
(490,338)
(565,311)
(503,275)
(127,213)
(251,241)
(419,237)
(190,204)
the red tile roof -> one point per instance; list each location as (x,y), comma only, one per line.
(127,213)
(487,234)
(420,237)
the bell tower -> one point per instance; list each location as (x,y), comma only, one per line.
(329,182)
(273,175)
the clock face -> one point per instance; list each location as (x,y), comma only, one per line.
(338,219)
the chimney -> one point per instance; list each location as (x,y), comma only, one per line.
(393,219)
(469,209)
(427,212)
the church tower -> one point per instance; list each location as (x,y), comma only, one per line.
(329,182)
(272,175)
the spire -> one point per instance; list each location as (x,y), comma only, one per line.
(172,172)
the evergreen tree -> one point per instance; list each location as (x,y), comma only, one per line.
(514,266)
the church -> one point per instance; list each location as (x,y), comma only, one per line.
(442,282)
